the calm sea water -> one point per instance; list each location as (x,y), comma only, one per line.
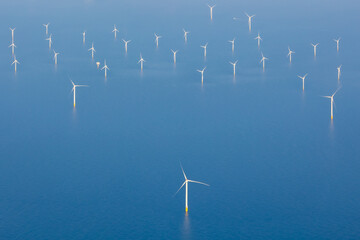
(277,166)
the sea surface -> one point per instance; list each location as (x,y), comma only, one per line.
(277,165)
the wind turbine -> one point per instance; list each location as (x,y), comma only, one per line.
(202,74)
(157,39)
(185,35)
(92,49)
(12,45)
(105,67)
(232,44)
(15,63)
(337,44)
(187,188)
(83,34)
(115,31)
(174,52)
(50,41)
(339,72)
(332,101)
(12,34)
(55,56)
(46,28)
(141,61)
(314,46)
(258,38)
(263,58)
(290,54)
(249,17)
(126,44)
(74,89)
(303,80)
(211,11)
(234,65)
(204,47)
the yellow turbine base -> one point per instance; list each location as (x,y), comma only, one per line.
(332,117)
(186,209)
(74,105)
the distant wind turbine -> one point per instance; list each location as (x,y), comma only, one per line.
(258,38)
(185,35)
(303,81)
(141,61)
(12,34)
(315,47)
(92,49)
(55,56)
(232,44)
(115,31)
(13,46)
(126,44)
(15,63)
(337,44)
(187,188)
(339,72)
(211,11)
(83,34)
(105,67)
(234,66)
(74,89)
(46,28)
(332,102)
(202,74)
(50,40)
(204,47)
(157,39)
(249,20)
(174,53)
(290,54)
(263,58)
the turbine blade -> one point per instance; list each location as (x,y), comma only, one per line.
(180,188)
(199,183)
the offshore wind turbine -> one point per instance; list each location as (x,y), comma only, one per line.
(332,102)
(174,53)
(126,44)
(234,66)
(339,72)
(55,56)
(105,67)
(157,39)
(232,44)
(263,58)
(303,80)
(50,40)
(185,35)
(74,90)
(258,38)
(141,61)
(290,54)
(211,11)
(187,188)
(115,31)
(13,46)
(204,47)
(15,63)
(315,47)
(46,28)
(249,20)
(202,74)
(12,34)
(337,44)
(83,34)
(92,49)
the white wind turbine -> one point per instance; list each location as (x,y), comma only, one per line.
(315,47)
(234,66)
(290,54)
(92,49)
(204,47)
(263,58)
(12,34)
(249,20)
(126,44)
(185,35)
(337,44)
(12,45)
(46,28)
(115,31)
(55,56)
(174,53)
(332,102)
(259,39)
(187,188)
(157,39)
(74,89)
(15,63)
(202,74)
(141,61)
(339,72)
(211,11)
(50,40)
(303,80)
(232,44)
(83,34)
(105,67)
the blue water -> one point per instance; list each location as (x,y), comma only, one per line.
(278,167)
